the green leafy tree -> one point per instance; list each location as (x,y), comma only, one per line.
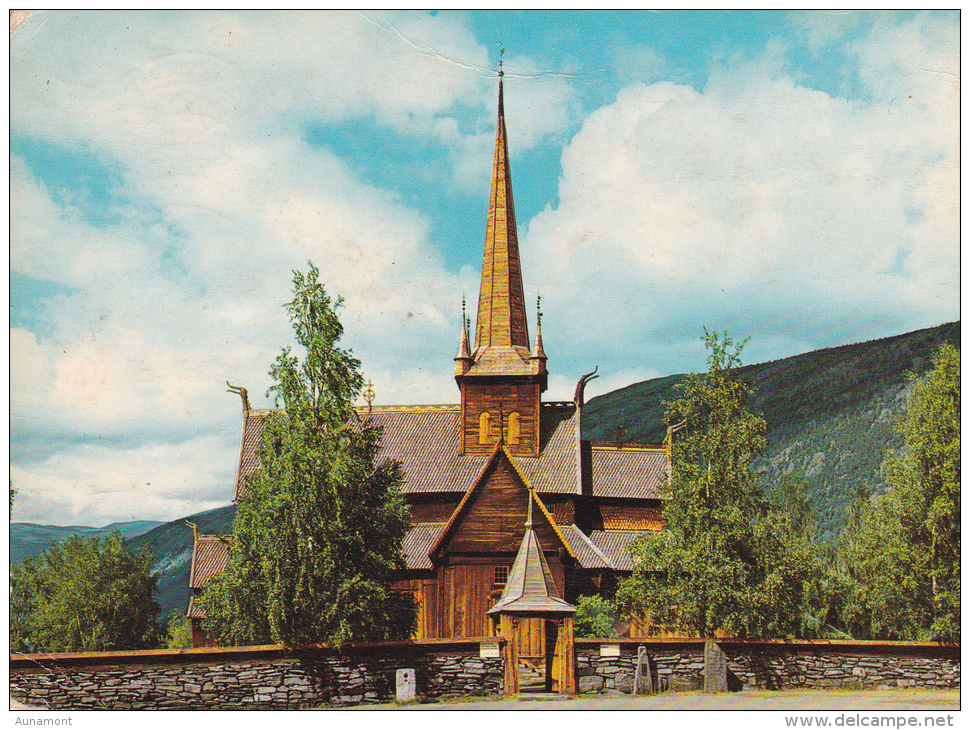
(899,554)
(796,571)
(319,534)
(727,562)
(594,617)
(84,595)
(178,632)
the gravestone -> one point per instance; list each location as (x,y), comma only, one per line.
(407,685)
(715,668)
(642,679)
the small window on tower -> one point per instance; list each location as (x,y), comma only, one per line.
(515,428)
(484,428)
(501,575)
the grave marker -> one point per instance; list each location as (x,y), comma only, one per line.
(407,685)
(715,668)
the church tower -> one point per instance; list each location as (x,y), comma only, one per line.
(502,378)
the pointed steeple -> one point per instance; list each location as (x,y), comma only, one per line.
(538,356)
(502,337)
(530,588)
(463,360)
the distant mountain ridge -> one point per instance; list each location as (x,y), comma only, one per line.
(830,413)
(28,540)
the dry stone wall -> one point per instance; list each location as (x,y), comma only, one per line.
(274,678)
(678,666)
(673,668)
(258,679)
(773,669)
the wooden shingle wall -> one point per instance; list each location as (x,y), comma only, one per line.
(500,401)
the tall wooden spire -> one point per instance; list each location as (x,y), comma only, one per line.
(502,334)
(501,378)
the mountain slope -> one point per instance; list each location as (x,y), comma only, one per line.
(830,413)
(171,546)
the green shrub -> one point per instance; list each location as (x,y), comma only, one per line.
(594,617)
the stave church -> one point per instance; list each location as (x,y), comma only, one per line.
(510,507)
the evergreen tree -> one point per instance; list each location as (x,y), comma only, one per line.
(727,562)
(320,531)
(84,595)
(900,552)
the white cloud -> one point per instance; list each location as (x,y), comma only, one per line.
(29,370)
(186,291)
(756,195)
(94,485)
(757,198)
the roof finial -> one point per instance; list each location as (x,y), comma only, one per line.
(369,395)
(501,52)
(538,353)
(241,392)
(528,522)
(579,398)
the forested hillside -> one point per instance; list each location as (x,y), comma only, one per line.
(830,413)
(171,546)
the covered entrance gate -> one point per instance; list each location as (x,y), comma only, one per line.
(530,596)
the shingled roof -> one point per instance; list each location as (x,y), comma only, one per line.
(615,545)
(418,543)
(425,440)
(586,552)
(253,425)
(195,610)
(210,554)
(628,472)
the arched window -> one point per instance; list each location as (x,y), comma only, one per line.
(484,427)
(515,428)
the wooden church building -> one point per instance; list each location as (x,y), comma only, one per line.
(475,473)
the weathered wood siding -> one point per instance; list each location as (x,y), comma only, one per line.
(487,533)
(464,595)
(493,520)
(563,510)
(500,399)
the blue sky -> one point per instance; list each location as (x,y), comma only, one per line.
(791,177)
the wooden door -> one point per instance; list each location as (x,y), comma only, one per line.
(564,663)
(532,640)
(553,660)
